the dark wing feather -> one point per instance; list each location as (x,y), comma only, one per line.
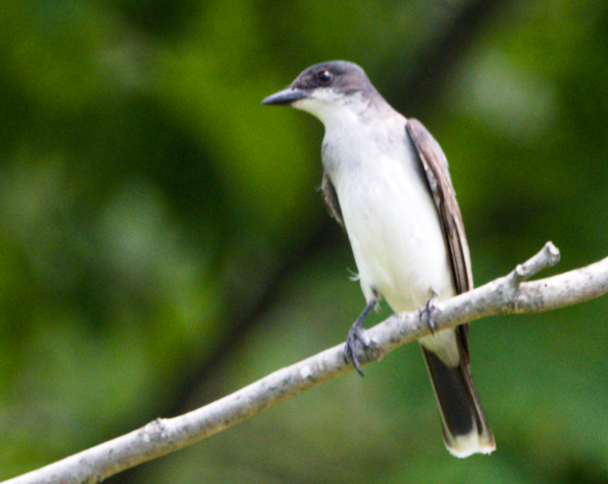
(458,401)
(438,176)
(436,168)
(330,198)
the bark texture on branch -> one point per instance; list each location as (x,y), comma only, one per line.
(507,295)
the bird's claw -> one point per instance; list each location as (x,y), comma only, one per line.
(428,309)
(355,334)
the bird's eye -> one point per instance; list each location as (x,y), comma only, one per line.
(324,77)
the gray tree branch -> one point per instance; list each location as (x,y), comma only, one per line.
(508,295)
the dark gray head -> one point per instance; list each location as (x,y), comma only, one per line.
(326,90)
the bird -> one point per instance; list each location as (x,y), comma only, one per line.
(386,181)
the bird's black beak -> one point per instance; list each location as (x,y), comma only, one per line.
(285,97)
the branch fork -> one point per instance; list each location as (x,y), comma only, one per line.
(547,257)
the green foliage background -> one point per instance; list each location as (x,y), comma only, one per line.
(162,243)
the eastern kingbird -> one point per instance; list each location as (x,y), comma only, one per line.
(386,181)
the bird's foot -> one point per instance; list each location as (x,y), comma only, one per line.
(355,335)
(427,311)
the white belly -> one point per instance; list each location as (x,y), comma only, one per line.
(392,224)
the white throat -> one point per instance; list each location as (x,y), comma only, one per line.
(333,109)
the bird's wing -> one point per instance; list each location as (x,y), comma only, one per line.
(465,428)
(440,184)
(438,176)
(330,198)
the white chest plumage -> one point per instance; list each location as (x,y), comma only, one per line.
(390,218)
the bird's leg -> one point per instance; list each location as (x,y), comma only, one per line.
(356,333)
(428,310)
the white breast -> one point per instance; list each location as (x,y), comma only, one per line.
(391,220)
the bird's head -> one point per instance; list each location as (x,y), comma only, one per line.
(329,91)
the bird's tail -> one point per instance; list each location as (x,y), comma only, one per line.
(465,428)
